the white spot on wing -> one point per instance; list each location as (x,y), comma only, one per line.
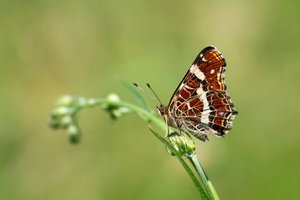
(205,114)
(189,106)
(212,71)
(195,70)
(200,90)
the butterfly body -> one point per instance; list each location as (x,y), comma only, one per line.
(200,104)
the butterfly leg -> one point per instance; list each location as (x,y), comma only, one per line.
(201,136)
(179,127)
(168,131)
(200,132)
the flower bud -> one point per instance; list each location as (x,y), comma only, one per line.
(182,143)
(113,97)
(66,121)
(66,100)
(74,133)
(61,110)
(114,110)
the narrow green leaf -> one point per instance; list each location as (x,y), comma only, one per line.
(140,99)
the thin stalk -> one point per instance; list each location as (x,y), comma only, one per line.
(204,179)
(145,114)
(189,171)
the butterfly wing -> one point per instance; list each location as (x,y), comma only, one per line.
(200,102)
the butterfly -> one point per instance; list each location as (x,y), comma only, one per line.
(200,104)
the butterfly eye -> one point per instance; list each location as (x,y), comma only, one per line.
(161,110)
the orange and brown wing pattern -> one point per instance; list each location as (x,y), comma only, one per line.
(200,103)
(210,67)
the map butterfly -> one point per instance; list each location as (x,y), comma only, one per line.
(200,104)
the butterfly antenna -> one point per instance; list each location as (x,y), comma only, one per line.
(148,85)
(142,89)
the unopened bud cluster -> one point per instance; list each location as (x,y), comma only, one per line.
(63,115)
(182,143)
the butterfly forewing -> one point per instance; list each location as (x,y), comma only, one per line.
(200,103)
(210,64)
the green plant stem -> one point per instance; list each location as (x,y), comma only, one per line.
(201,190)
(144,114)
(204,179)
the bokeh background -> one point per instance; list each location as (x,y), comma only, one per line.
(52,48)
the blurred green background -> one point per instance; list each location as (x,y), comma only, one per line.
(52,48)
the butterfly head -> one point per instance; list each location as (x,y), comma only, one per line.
(162,110)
